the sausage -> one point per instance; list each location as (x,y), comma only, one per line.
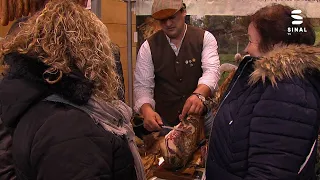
(33,6)
(19,8)
(11,7)
(0,10)
(26,7)
(4,13)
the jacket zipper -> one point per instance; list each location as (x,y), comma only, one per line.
(245,65)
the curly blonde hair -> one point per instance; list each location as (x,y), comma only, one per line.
(64,34)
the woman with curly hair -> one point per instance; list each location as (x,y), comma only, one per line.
(59,95)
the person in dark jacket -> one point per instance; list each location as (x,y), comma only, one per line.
(7,171)
(59,96)
(119,70)
(266,126)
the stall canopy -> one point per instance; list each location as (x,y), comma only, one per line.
(234,7)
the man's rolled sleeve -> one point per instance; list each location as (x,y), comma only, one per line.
(210,62)
(144,78)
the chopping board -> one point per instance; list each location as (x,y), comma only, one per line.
(163,173)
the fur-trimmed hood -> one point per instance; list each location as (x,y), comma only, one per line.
(288,61)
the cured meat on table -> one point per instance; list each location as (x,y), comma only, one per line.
(178,146)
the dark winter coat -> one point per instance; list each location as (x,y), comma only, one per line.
(268,119)
(54,140)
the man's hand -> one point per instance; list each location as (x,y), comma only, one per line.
(152,121)
(193,105)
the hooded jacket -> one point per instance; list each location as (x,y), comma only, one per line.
(267,121)
(53,140)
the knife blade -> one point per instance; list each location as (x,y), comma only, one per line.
(172,128)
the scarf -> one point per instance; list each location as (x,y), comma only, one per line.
(113,117)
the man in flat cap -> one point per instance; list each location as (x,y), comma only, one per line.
(177,68)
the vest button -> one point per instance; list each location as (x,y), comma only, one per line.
(177,62)
(180,79)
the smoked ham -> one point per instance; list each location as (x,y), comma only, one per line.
(178,147)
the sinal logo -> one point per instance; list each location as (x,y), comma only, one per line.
(297,20)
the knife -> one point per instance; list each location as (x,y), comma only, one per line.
(172,128)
